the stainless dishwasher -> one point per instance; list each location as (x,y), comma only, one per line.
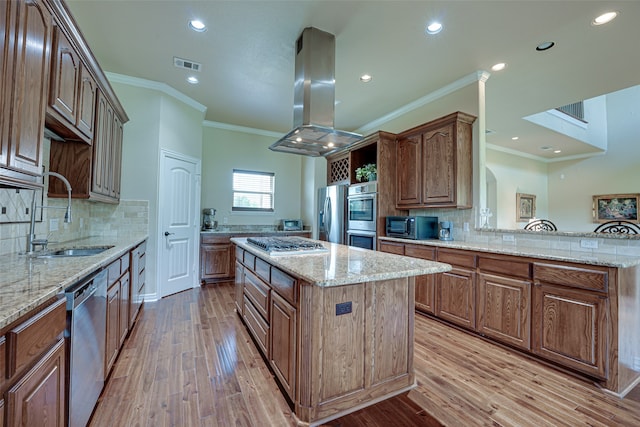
(86,329)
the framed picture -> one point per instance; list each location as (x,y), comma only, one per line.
(615,207)
(525,207)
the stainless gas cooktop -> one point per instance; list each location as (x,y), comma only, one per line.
(287,245)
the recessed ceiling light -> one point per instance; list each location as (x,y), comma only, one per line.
(545,46)
(433,28)
(197,25)
(366,78)
(546,147)
(557,151)
(604,18)
(193,80)
(515,138)
(499,66)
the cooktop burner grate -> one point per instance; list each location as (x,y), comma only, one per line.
(286,245)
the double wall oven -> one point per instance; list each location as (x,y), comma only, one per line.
(362,200)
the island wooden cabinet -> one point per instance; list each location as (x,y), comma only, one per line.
(434,164)
(456,289)
(25,56)
(570,314)
(33,384)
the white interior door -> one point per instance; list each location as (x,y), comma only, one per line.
(178,223)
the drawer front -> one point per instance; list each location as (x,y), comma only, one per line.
(113,272)
(263,269)
(422,252)
(124,264)
(258,293)
(3,362)
(258,326)
(461,258)
(285,285)
(32,338)
(391,248)
(508,266)
(142,261)
(575,277)
(250,260)
(239,253)
(209,239)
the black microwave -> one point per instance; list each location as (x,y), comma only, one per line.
(413,227)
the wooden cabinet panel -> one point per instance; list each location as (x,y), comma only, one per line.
(257,325)
(457,257)
(573,276)
(391,247)
(25,89)
(65,72)
(112,343)
(570,327)
(258,292)
(456,297)
(409,172)
(263,270)
(505,265)
(425,293)
(283,343)
(123,322)
(418,251)
(284,284)
(239,287)
(38,399)
(215,261)
(87,96)
(28,340)
(438,166)
(504,307)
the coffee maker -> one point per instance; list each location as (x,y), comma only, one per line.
(208,223)
(446,230)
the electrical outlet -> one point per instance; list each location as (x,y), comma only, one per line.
(81,222)
(508,238)
(53,224)
(589,243)
(225,220)
(465,226)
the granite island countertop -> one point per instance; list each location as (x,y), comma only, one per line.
(344,265)
(591,258)
(27,282)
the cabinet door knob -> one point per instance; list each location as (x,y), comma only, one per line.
(166,233)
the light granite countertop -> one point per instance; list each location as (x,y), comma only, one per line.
(27,282)
(236,232)
(344,265)
(608,260)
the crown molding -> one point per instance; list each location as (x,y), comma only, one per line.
(158,86)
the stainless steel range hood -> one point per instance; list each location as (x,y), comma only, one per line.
(314,99)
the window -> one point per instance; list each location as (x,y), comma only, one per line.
(253,191)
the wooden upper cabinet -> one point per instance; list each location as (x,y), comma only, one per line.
(26,58)
(434,164)
(72,96)
(409,173)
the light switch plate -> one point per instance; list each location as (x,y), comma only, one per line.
(53,224)
(508,238)
(589,243)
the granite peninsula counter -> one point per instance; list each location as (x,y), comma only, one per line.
(27,282)
(337,328)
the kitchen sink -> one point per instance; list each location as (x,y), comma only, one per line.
(74,252)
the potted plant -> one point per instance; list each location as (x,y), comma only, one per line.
(367,173)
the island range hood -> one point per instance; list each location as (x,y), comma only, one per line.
(314,99)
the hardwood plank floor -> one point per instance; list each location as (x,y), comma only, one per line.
(190,362)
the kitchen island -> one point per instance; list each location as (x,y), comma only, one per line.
(336,327)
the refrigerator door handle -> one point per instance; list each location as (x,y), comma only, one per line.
(327,217)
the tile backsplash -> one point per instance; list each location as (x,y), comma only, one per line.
(89,219)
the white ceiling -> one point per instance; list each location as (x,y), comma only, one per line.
(247,55)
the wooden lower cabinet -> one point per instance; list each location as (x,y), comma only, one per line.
(113,331)
(504,307)
(125,303)
(425,285)
(38,399)
(239,282)
(456,297)
(571,328)
(215,261)
(283,342)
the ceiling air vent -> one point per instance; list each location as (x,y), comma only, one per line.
(186,64)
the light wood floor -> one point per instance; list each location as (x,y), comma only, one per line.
(190,362)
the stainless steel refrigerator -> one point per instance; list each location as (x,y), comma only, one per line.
(331,213)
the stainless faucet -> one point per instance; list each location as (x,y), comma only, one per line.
(32,242)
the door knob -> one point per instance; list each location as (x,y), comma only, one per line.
(166,233)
